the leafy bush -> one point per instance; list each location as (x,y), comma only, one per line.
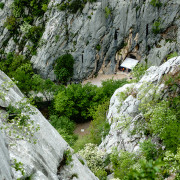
(34,34)
(18,124)
(171,55)
(1,5)
(98,47)
(94,158)
(146,170)
(45,86)
(148,150)
(73,6)
(62,123)
(156,3)
(11,23)
(19,68)
(99,127)
(107,11)
(75,101)
(65,127)
(67,157)
(122,162)
(156,29)
(139,71)
(64,68)
(165,124)
(109,86)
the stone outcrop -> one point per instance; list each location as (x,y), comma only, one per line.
(99,41)
(41,160)
(5,169)
(124,110)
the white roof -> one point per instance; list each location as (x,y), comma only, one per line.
(129,63)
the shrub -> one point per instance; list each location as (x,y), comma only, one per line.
(45,86)
(67,157)
(109,86)
(23,75)
(148,150)
(122,162)
(65,127)
(94,158)
(165,124)
(18,67)
(17,123)
(139,71)
(64,68)
(34,34)
(156,29)
(73,6)
(75,101)
(62,123)
(156,3)
(1,5)
(146,170)
(107,11)
(11,23)
(99,127)
(98,47)
(171,55)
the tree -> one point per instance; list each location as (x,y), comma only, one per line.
(64,68)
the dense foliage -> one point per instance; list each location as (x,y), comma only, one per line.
(73,6)
(64,68)
(76,100)
(65,127)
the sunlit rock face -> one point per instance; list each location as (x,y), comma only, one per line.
(42,160)
(5,169)
(124,114)
(102,35)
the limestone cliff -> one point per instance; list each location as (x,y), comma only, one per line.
(42,160)
(101,36)
(125,116)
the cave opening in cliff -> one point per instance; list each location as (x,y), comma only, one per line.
(129,63)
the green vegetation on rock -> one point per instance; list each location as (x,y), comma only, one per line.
(64,68)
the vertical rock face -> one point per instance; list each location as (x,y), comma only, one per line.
(5,169)
(124,114)
(42,160)
(103,35)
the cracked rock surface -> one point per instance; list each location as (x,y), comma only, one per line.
(40,160)
(126,112)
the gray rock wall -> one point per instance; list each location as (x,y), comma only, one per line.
(124,114)
(127,31)
(41,160)
(5,168)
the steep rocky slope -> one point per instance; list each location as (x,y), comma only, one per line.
(43,160)
(101,36)
(5,170)
(125,116)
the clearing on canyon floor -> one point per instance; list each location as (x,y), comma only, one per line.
(102,77)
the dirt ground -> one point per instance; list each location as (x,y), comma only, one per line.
(82,129)
(97,81)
